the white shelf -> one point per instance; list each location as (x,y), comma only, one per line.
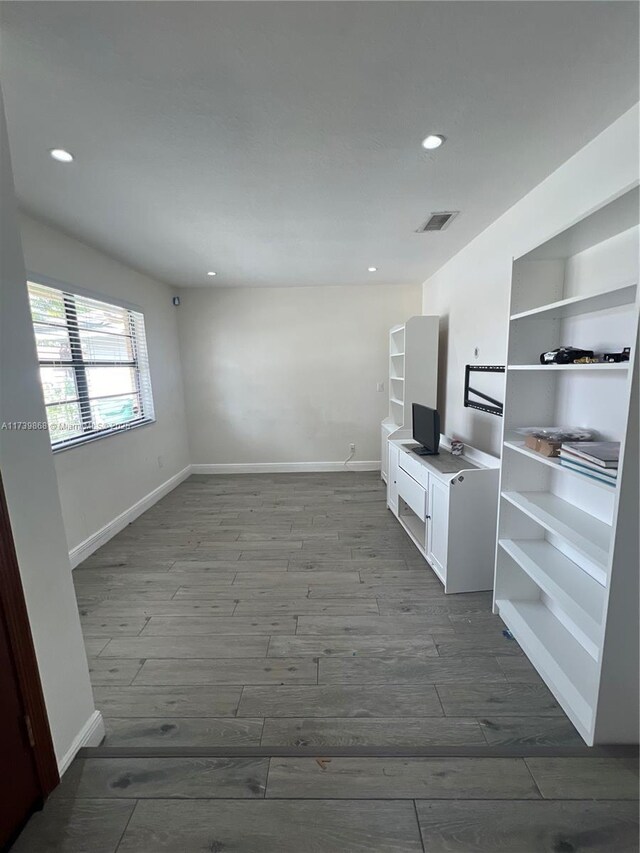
(613,298)
(396,401)
(566,572)
(397,378)
(584,368)
(577,593)
(397,355)
(554,462)
(414,527)
(569,671)
(587,534)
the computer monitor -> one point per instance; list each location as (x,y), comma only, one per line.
(426,429)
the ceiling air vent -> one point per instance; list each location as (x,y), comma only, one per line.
(438,221)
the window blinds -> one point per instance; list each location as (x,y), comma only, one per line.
(94,365)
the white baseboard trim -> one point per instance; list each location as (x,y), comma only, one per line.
(97,539)
(281,467)
(91,734)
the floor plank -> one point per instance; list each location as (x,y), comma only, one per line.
(373,625)
(272,827)
(76,826)
(169,626)
(407,669)
(582,778)
(529,731)
(222,671)
(528,827)
(181,778)
(203,646)
(298,606)
(283,646)
(406,778)
(341,701)
(168,702)
(487,700)
(354,731)
(113,670)
(182,732)
(179,609)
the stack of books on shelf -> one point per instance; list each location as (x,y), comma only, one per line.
(595,459)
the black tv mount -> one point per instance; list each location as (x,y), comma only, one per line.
(495,407)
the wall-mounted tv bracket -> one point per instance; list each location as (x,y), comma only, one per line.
(493,406)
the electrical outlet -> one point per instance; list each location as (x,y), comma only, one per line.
(352,447)
(379,386)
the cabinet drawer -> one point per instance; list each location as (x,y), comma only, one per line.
(413,467)
(413,493)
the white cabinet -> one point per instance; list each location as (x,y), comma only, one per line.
(391,454)
(438,525)
(386,429)
(447,505)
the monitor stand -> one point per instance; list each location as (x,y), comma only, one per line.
(422,451)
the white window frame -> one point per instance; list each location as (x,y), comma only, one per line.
(146,396)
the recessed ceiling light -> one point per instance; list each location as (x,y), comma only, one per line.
(434,140)
(61,155)
(372,269)
(212,273)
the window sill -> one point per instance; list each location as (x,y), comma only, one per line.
(72,444)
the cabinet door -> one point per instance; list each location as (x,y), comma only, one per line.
(438,524)
(392,478)
(384,454)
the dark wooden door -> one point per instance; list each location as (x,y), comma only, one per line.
(28,769)
(19,784)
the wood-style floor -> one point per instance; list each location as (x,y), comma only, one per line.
(276,612)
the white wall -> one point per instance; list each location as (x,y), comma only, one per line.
(282,375)
(471,292)
(32,494)
(101,480)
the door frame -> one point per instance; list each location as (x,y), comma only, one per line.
(14,610)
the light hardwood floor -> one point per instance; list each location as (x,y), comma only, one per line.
(279,611)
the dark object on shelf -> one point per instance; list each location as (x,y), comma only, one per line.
(495,407)
(565,355)
(617,356)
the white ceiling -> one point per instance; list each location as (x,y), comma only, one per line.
(279,143)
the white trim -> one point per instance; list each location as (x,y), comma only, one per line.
(98,539)
(281,467)
(91,734)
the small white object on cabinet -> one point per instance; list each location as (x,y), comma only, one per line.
(447,505)
(413,375)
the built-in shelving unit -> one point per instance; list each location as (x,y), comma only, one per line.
(413,375)
(566,576)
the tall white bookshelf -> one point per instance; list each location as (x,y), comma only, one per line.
(566,574)
(413,375)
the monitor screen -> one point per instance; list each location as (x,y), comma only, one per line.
(426,427)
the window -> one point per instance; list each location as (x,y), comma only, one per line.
(94,366)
